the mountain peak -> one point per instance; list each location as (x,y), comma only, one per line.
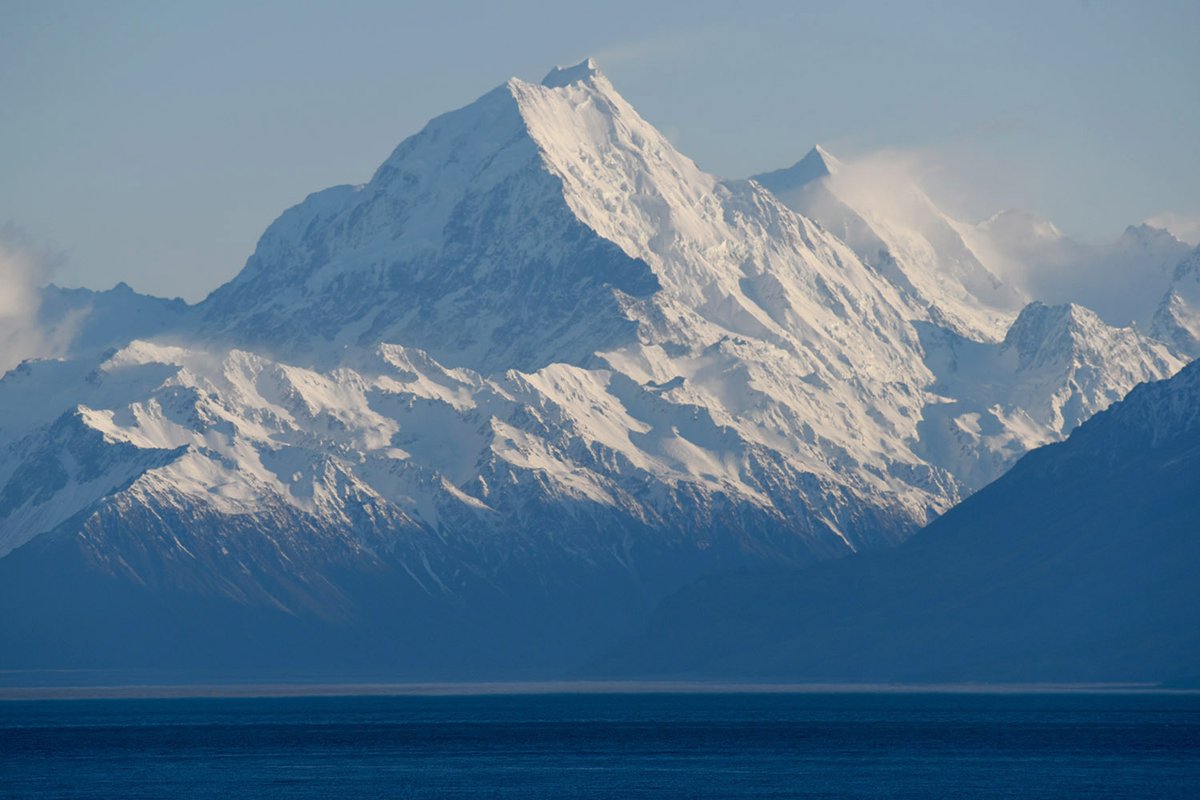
(1042,329)
(1146,235)
(1066,333)
(819,154)
(564,76)
(818,163)
(1042,314)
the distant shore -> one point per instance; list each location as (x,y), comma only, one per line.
(449,689)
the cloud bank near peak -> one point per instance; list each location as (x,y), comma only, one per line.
(24,269)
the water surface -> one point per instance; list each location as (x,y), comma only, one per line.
(823,745)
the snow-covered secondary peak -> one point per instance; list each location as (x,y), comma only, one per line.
(1146,236)
(1177,318)
(563,76)
(879,210)
(1056,367)
(817,163)
(1099,356)
(1050,332)
(824,156)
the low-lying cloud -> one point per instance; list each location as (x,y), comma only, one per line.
(24,268)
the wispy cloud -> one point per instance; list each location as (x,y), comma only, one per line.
(24,267)
(960,169)
(671,45)
(886,183)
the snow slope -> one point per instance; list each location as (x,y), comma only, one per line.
(1177,317)
(895,228)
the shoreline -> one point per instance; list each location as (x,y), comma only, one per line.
(519,688)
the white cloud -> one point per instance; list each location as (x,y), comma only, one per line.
(886,184)
(23,269)
(671,46)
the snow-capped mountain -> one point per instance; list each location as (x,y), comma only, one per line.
(550,224)
(893,227)
(973,278)
(1123,281)
(1057,366)
(1079,564)
(1005,382)
(1177,318)
(537,372)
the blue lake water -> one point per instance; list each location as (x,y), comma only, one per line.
(855,745)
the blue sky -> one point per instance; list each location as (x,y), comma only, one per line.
(152,142)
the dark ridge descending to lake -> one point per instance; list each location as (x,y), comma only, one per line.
(863,745)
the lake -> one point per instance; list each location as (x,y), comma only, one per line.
(604,745)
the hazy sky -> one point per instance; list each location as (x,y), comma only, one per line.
(153,142)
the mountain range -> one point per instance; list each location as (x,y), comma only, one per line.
(480,415)
(1078,564)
